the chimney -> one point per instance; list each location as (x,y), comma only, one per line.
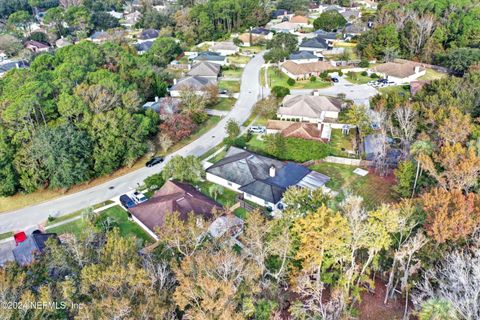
(417,69)
(272,171)
(316,93)
(174,81)
(17,65)
(156,98)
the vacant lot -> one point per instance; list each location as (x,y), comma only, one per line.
(373,188)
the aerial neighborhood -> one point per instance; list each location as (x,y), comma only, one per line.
(240,159)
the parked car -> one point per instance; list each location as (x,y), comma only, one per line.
(139,197)
(257,129)
(154,161)
(127,202)
(334,79)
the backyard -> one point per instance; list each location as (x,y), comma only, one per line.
(432,75)
(117,217)
(278,78)
(341,144)
(374,189)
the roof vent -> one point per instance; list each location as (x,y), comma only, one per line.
(272,171)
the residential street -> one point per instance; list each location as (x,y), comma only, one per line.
(33,215)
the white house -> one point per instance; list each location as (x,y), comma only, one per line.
(260,179)
(225,48)
(400,73)
(286,27)
(309,108)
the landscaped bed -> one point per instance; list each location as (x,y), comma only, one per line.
(374,189)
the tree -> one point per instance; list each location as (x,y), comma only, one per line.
(215,189)
(275,144)
(211,94)
(104,21)
(460,59)
(163,51)
(232,128)
(301,201)
(293,5)
(276,55)
(8,174)
(266,108)
(10,45)
(330,20)
(451,216)
(280,92)
(56,17)
(20,20)
(405,175)
(285,41)
(418,150)
(80,18)
(437,309)
(165,142)
(178,127)
(183,169)
(357,115)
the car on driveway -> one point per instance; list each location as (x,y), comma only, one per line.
(154,161)
(139,197)
(127,202)
(334,79)
(257,129)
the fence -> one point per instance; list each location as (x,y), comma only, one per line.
(339,160)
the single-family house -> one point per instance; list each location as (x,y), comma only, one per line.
(62,42)
(165,106)
(285,27)
(36,46)
(195,84)
(260,179)
(281,13)
(99,36)
(354,29)
(3,56)
(264,32)
(310,108)
(302,57)
(205,69)
(143,47)
(115,14)
(301,21)
(173,198)
(299,71)
(351,14)
(213,57)
(371,4)
(399,72)
(316,46)
(331,7)
(27,251)
(131,19)
(225,48)
(309,131)
(10,65)
(148,35)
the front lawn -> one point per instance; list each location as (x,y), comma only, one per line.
(229,85)
(224,104)
(374,189)
(238,59)
(232,73)
(119,219)
(278,78)
(403,90)
(358,78)
(432,75)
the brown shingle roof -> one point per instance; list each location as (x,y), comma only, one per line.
(398,70)
(299,19)
(302,130)
(305,68)
(176,197)
(308,106)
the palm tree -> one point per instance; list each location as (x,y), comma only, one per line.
(437,309)
(417,149)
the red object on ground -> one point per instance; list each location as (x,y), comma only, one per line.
(19,237)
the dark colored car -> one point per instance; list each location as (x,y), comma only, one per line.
(154,161)
(382,81)
(335,80)
(127,202)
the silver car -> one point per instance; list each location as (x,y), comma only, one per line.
(257,129)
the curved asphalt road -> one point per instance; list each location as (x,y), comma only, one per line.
(24,218)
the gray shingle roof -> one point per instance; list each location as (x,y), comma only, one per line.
(26,251)
(317,43)
(302,55)
(195,82)
(148,34)
(204,69)
(209,56)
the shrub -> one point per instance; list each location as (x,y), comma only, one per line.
(364,63)
(154,182)
(240,142)
(340,73)
(280,92)
(364,73)
(290,82)
(374,76)
(324,75)
(313,79)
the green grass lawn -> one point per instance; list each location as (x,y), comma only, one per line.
(374,189)
(231,86)
(357,78)
(6,235)
(233,73)
(253,49)
(226,198)
(224,104)
(432,75)
(403,90)
(120,218)
(339,141)
(211,151)
(238,59)
(278,78)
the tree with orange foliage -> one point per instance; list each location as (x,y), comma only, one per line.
(451,215)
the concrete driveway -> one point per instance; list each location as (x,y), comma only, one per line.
(36,214)
(359,93)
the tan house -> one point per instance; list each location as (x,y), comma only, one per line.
(304,70)
(398,72)
(308,131)
(301,21)
(256,38)
(309,108)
